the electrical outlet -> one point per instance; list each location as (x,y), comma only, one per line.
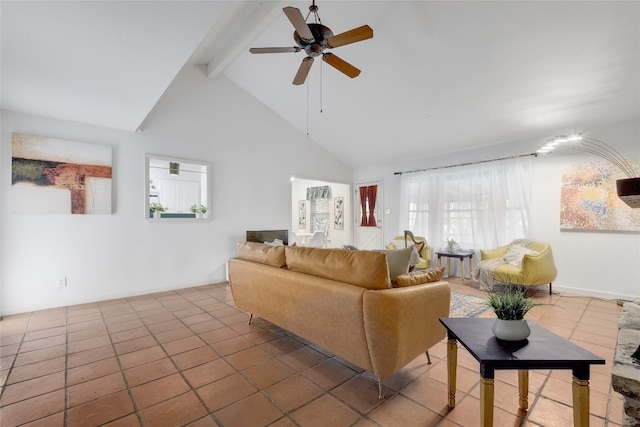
(62,282)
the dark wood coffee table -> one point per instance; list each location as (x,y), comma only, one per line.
(542,350)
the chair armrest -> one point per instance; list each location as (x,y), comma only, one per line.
(402,323)
(539,269)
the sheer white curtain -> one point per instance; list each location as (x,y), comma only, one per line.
(481,206)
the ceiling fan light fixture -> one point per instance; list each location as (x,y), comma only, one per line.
(314,38)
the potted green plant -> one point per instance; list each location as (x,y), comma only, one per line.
(157,208)
(510,305)
(198,210)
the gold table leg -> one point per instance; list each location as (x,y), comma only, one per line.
(580,391)
(486,402)
(523,388)
(452,365)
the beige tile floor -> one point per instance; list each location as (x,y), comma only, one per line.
(188,357)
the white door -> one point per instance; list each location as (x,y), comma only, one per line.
(368,221)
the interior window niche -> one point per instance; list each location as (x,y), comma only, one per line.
(320,206)
(176,189)
(319,198)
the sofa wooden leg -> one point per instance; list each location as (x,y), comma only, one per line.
(428,358)
(550,288)
(380,391)
(250,318)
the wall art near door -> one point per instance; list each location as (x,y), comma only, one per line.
(302,214)
(338,214)
(589,200)
(51,175)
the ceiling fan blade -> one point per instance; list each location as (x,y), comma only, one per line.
(301,75)
(351,36)
(274,49)
(298,22)
(341,65)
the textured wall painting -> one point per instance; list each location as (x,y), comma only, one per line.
(302,214)
(338,214)
(589,200)
(55,176)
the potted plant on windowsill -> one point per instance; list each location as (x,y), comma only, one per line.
(200,211)
(510,305)
(156,209)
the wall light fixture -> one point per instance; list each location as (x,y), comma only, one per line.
(628,189)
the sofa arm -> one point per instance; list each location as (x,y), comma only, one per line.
(493,253)
(402,323)
(539,269)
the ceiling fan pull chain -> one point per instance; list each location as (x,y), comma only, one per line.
(321,67)
(307,107)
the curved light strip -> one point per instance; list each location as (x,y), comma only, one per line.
(592,146)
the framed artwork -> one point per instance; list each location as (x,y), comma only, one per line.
(338,218)
(302,214)
(51,175)
(589,200)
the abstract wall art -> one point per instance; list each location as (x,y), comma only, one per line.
(302,214)
(589,200)
(338,214)
(51,175)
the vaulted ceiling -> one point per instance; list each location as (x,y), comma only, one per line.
(436,77)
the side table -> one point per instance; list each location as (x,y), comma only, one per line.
(461,256)
(542,350)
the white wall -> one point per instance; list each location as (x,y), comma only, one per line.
(604,264)
(108,256)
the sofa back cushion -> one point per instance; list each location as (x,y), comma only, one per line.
(262,253)
(367,269)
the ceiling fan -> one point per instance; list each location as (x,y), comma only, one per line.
(314,38)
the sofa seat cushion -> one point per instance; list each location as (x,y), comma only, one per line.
(367,269)
(418,277)
(262,253)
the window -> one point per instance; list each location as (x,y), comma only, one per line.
(479,206)
(319,215)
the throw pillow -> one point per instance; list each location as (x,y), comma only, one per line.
(414,259)
(400,244)
(515,253)
(418,278)
(264,254)
(398,261)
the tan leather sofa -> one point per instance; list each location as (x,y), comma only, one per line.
(341,300)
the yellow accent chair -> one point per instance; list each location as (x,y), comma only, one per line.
(408,239)
(529,265)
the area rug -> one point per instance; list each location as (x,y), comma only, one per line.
(463,305)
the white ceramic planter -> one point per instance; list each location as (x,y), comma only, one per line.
(511,330)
